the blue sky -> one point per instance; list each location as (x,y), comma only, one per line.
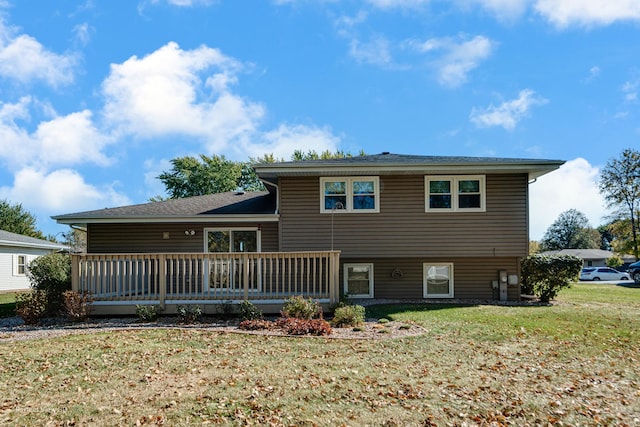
(96,97)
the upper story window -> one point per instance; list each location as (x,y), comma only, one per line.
(352,194)
(463,193)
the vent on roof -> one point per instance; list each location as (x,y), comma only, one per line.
(384,153)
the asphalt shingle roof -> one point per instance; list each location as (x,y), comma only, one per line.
(21,240)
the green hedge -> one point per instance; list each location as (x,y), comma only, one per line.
(545,275)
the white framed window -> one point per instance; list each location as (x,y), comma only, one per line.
(359,194)
(437,280)
(463,193)
(20,265)
(358,280)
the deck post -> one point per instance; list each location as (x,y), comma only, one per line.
(334,288)
(245,276)
(162,282)
(75,273)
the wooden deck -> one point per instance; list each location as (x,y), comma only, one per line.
(119,282)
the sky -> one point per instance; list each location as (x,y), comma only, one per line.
(96,97)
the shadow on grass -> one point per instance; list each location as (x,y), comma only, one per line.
(8,309)
(629,285)
(379,311)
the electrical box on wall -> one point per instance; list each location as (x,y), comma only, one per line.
(513,279)
(503,279)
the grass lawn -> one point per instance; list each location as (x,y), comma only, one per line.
(574,363)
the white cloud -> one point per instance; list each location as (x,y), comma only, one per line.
(82,33)
(630,90)
(509,113)
(375,52)
(502,9)
(60,190)
(286,139)
(398,4)
(564,13)
(24,59)
(65,140)
(573,186)
(458,59)
(163,94)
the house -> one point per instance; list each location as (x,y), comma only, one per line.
(592,257)
(16,252)
(377,226)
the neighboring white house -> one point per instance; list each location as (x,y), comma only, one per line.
(16,252)
(591,257)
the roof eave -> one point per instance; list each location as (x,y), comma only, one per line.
(51,246)
(83,221)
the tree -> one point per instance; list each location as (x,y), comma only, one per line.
(545,276)
(15,219)
(191,176)
(570,231)
(620,185)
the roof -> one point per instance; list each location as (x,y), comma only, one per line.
(389,163)
(18,240)
(218,207)
(586,254)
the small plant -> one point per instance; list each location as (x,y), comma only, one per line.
(256,325)
(349,315)
(358,329)
(384,331)
(296,326)
(77,305)
(248,311)
(189,313)
(32,306)
(404,327)
(383,320)
(301,308)
(147,313)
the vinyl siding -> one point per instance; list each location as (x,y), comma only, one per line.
(403,228)
(472,276)
(148,238)
(10,281)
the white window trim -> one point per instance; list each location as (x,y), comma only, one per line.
(349,182)
(454,192)
(425,267)
(345,269)
(16,265)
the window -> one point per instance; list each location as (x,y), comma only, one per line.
(437,280)
(358,280)
(355,194)
(19,265)
(228,273)
(455,193)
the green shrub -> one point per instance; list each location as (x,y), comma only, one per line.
(147,313)
(544,275)
(301,308)
(77,306)
(31,306)
(248,311)
(383,320)
(297,326)
(614,262)
(51,274)
(189,313)
(349,315)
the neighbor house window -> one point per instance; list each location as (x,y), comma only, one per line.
(353,194)
(358,280)
(19,265)
(437,280)
(455,193)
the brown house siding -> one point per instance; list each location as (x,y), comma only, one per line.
(472,276)
(148,238)
(402,228)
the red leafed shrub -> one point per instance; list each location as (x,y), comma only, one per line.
(256,325)
(294,326)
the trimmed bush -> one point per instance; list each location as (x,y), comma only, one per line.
(296,326)
(189,313)
(248,311)
(31,306)
(51,274)
(256,325)
(147,313)
(544,275)
(77,306)
(301,308)
(349,315)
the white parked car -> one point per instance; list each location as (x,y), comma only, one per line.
(602,273)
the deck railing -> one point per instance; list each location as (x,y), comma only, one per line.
(207,277)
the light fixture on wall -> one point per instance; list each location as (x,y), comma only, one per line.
(189,232)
